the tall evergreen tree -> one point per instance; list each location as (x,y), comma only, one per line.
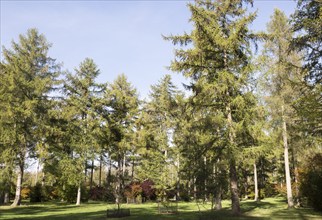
(122,101)
(218,65)
(280,78)
(82,91)
(30,75)
(157,118)
(307,22)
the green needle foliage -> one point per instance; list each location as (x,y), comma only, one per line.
(158,154)
(81,95)
(29,76)
(122,101)
(218,64)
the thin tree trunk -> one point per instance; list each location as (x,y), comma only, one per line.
(100,172)
(205,182)
(287,166)
(17,200)
(92,171)
(195,188)
(7,192)
(296,177)
(108,181)
(178,180)
(123,171)
(6,197)
(119,183)
(37,171)
(245,184)
(218,199)
(218,191)
(78,201)
(85,171)
(296,173)
(232,167)
(132,171)
(234,188)
(256,183)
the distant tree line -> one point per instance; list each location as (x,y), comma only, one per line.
(250,126)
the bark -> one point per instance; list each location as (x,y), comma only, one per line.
(36,178)
(287,166)
(234,188)
(119,183)
(296,177)
(232,167)
(132,171)
(218,193)
(108,181)
(205,182)
(297,191)
(92,171)
(78,200)
(256,183)
(218,205)
(178,180)
(17,199)
(100,172)
(195,188)
(85,170)
(6,197)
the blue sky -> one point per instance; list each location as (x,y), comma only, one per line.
(121,36)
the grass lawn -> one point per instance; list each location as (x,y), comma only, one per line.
(271,208)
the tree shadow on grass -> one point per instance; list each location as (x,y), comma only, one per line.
(247,206)
(297,213)
(50,211)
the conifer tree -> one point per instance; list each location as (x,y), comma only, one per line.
(82,91)
(218,64)
(280,78)
(157,118)
(307,22)
(29,76)
(122,101)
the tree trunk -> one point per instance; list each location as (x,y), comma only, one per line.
(296,177)
(37,171)
(218,199)
(287,166)
(100,172)
(92,171)
(195,188)
(119,183)
(232,166)
(178,180)
(17,200)
(78,201)
(256,183)
(205,181)
(132,172)
(6,197)
(234,188)
(85,171)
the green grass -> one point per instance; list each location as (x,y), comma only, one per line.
(272,208)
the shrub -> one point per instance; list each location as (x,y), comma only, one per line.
(35,193)
(311,181)
(133,191)
(25,192)
(148,190)
(97,193)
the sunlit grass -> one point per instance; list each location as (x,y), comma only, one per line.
(271,208)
